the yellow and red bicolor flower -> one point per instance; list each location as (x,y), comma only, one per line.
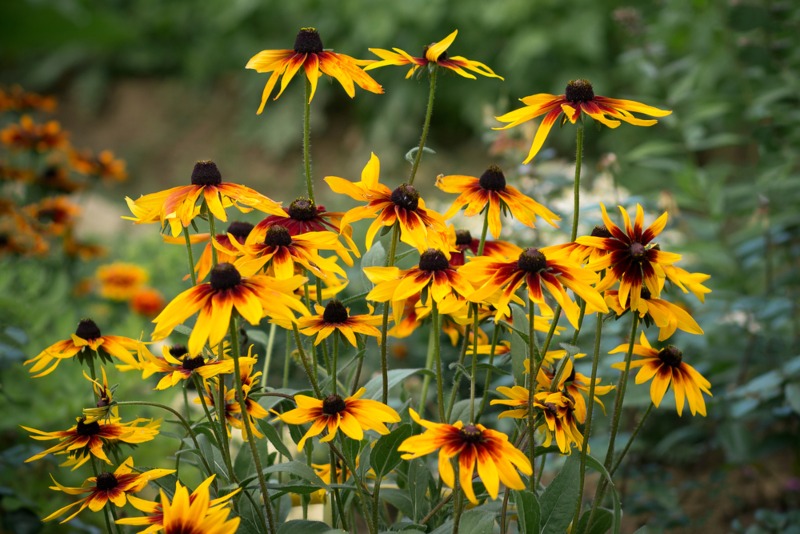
(461,241)
(578,98)
(665,367)
(419,227)
(176,365)
(433,54)
(309,54)
(107,487)
(667,316)
(497,460)
(335,317)
(491,192)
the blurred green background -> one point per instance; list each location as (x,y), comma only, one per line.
(163,84)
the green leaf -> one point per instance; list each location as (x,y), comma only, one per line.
(375,386)
(304,526)
(519,345)
(560,498)
(616,523)
(528,513)
(298,469)
(242,465)
(792,392)
(419,479)
(399,499)
(460,411)
(385,456)
(272,435)
(476,522)
(602,523)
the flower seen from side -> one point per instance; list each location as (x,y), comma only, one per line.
(578,98)
(668,317)
(461,241)
(176,365)
(309,54)
(120,280)
(105,407)
(473,446)
(666,367)
(335,317)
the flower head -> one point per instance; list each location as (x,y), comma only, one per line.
(28,135)
(309,54)
(461,241)
(497,460)
(491,192)
(176,365)
(352,414)
(665,367)
(667,316)
(578,98)
(120,281)
(335,317)
(435,54)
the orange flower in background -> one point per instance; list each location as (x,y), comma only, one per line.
(179,204)
(578,98)
(102,165)
(28,135)
(419,227)
(309,54)
(665,367)
(497,460)
(120,281)
(17,99)
(53,215)
(87,335)
(147,302)
(434,54)
(491,192)
(107,487)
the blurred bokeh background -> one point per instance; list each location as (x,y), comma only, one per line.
(163,84)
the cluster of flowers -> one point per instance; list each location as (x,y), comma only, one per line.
(286,269)
(127,282)
(39,173)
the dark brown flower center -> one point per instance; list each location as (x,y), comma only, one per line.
(671,356)
(551,407)
(302,209)
(87,329)
(224,276)
(206,173)
(103,401)
(406,196)
(106,481)
(441,57)
(579,91)
(463,237)
(645,294)
(493,179)
(335,312)
(308,41)
(470,434)
(87,429)
(600,231)
(532,261)
(178,350)
(637,251)
(333,404)
(240,230)
(193,363)
(433,260)
(278,236)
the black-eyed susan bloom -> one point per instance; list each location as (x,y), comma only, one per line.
(537,270)
(435,54)
(667,316)
(178,205)
(490,191)
(419,227)
(85,439)
(154,520)
(575,385)
(86,336)
(254,298)
(578,98)
(176,365)
(106,487)
(105,407)
(497,460)
(309,54)
(120,280)
(335,317)
(665,367)
(462,241)
(353,415)
(633,257)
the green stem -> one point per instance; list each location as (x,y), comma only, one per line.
(622,384)
(248,431)
(191,255)
(212,227)
(458,505)
(462,356)
(577,193)
(476,325)
(426,380)
(307,141)
(598,332)
(361,490)
(268,351)
(335,361)
(437,357)
(533,368)
(485,398)
(360,355)
(215,428)
(425,126)
(631,439)
(309,373)
(337,498)
(385,319)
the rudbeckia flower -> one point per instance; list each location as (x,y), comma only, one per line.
(462,241)
(147,302)
(578,98)
(87,335)
(223,243)
(353,415)
(575,385)
(155,510)
(434,54)
(419,227)
(666,366)
(28,135)
(632,256)
(178,204)
(120,281)
(667,316)
(491,192)
(309,54)
(254,298)
(102,165)
(53,215)
(335,317)
(107,487)
(233,411)
(105,407)
(537,270)
(176,365)
(85,438)
(497,459)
